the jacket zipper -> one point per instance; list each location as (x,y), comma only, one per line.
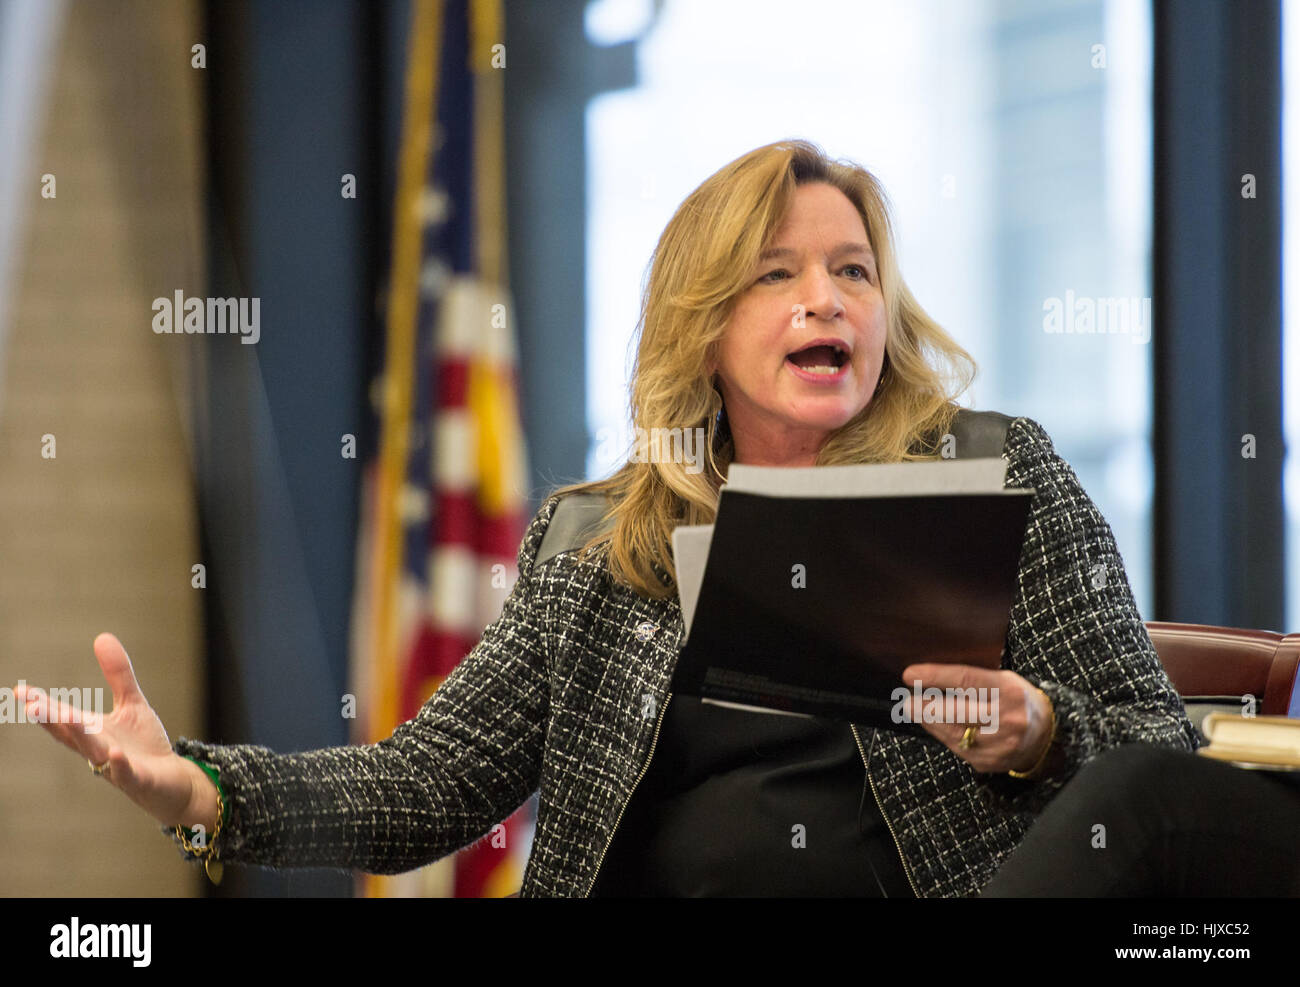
(866,764)
(653,743)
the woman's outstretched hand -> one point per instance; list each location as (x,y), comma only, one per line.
(130,742)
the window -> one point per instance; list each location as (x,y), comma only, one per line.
(1014,141)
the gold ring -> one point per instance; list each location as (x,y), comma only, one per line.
(96,769)
(968,738)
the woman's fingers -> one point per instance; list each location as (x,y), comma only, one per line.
(115,768)
(129,745)
(121,771)
(81,732)
(1011,716)
(62,732)
(117,670)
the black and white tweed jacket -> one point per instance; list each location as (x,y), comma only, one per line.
(552,699)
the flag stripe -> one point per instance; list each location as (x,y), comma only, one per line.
(448,504)
(402,306)
(417,123)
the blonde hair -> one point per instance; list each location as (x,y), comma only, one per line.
(701,265)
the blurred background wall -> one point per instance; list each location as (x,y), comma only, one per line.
(102,534)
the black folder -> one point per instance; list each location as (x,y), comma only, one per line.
(886,581)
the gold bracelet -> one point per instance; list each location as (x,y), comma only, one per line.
(1051,740)
(208,852)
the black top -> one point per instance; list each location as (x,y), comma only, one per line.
(717,811)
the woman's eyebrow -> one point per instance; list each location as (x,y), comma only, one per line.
(773,253)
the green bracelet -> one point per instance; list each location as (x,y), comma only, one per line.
(211,772)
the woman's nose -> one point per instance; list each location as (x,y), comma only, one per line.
(821,297)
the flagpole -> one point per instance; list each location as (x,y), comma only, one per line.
(398,374)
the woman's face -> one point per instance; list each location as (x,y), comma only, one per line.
(817,281)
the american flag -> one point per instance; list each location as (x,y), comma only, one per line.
(444,506)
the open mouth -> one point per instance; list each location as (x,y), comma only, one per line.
(821,358)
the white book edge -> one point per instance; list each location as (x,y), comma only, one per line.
(757,709)
(953,476)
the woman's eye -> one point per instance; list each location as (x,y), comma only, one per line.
(862,271)
(771,276)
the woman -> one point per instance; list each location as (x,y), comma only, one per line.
(776,319)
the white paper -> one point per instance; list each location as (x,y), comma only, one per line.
(690,553)
(871,479)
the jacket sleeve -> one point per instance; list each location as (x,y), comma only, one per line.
(470,757)
(1075,630)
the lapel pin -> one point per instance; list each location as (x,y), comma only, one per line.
(646,630)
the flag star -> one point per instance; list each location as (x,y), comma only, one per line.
(412,504)
(433,277)
(434,206)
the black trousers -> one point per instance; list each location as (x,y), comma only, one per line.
(1141,821)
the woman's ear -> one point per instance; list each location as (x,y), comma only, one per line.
(711,363)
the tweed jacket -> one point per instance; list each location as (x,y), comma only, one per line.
(554,697)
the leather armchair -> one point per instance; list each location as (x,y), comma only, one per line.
(1214,668)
